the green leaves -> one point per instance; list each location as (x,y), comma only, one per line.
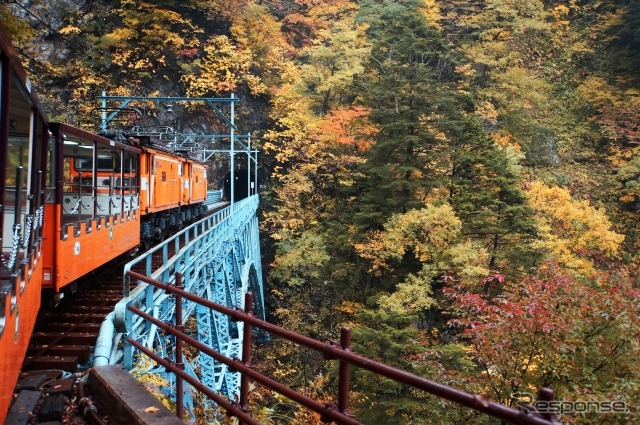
(302,259)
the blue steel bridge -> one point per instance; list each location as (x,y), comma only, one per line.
(217,257)
(219,260)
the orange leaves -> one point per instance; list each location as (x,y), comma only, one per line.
(311,17)
(348,127)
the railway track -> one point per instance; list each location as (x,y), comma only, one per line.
(65,335)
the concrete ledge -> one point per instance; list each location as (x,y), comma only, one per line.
(125,399)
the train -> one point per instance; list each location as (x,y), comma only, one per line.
(72,201)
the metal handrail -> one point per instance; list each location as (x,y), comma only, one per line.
(331,351)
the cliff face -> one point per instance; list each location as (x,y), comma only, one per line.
(48,51)
(49,17)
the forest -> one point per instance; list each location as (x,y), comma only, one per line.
(456,181)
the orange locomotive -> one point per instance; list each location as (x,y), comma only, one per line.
(172,191)
(71,201)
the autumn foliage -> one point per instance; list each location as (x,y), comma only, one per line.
(458,181)
(551,329)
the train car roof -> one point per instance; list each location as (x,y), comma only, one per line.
(158,148)
(92,136)
(11,58)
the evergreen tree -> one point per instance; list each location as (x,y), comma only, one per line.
(428,145)
(407,85)
(485,195)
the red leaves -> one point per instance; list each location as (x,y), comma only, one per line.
(551,329)
(188,53)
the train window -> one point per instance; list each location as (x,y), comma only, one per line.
(16,221)
(79,180)
(50,178)
(106,162)
(100,180)
(17,178)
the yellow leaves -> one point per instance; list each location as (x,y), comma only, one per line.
(118,37)
(141,64)
(487,111)
(331,63)
(224,66)
(597,91)
(18,29)
(571,229)
(371,250)
(349,307)
(150,37)
(300,259)
(431,236)
(152,381)
(69,29)
(468,261)
(522,88)
(412,295)
(425,233)
(151,409)
(561,16)
(431,11)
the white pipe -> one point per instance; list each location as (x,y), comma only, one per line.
(116,356)
(113,358)
(106,351)
(105,338)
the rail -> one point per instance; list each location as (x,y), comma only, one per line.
(341,352)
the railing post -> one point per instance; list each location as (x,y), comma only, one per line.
(246,355)
(548,395)
(179,360)
(344,372)
(17,218)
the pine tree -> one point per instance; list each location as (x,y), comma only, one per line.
(407,85)
(429,146)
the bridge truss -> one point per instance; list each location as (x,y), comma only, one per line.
(219,259)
